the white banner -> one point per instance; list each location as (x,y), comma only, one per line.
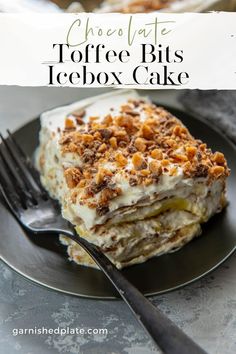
(154,51)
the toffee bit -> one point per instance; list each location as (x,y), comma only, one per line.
(140,144)
(157,154)
(87,139)
(108,194)
(102,148)
(147,132)
(191,152)
(217,171)
(72,176)
(88,156)
(102,175)
(155,167)
(138,161)
(219,158)
(120,159)
(69,124)
(113,142)
(107,120)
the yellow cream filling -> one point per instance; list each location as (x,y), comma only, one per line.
(169,204)
(144,213)
(173,203)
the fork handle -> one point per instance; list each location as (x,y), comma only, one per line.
(163,331)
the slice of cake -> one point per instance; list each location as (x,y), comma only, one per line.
(129,176)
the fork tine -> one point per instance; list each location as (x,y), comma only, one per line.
(19,173)
(8,191)
(31,176)
(14,176)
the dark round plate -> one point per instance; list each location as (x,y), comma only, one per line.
(43,259)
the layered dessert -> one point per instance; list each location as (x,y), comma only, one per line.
(129,176)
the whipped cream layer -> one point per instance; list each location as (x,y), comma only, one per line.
(130,243)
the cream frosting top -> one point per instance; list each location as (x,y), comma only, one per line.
(101,171)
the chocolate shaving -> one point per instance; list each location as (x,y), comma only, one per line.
(131,149)
(201,171)
(96,188)
(102,210)
(88,156)
(133,181)
(79,113)
(105,133)
(79,121)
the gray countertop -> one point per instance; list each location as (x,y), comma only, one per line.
(205,310)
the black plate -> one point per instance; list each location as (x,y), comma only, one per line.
(43,259)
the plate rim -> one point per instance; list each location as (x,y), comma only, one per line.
(95,297)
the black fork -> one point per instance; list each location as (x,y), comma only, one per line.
(37,212)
